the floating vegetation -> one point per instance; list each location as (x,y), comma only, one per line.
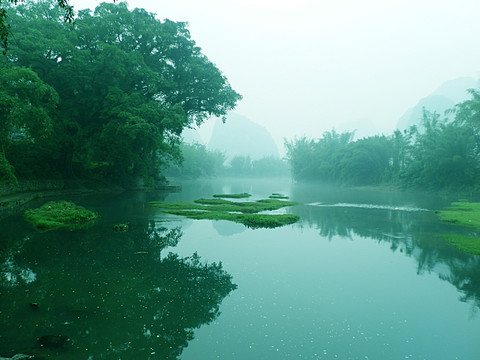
(278,196)
(61,214)
(232,196)
(246,213)
(463,214)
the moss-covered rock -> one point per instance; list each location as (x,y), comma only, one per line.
(60,214)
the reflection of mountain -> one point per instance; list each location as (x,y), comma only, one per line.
(228,228)
(415,233)
(105,295)
(240,136)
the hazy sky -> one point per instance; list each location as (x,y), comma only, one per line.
(304,67)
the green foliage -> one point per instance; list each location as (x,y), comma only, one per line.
(240,165)
(197,162)
(5,27)
(366,161)
(246,213)
(318,159)
(7,172)
(441,154)
(269,166)
(62,214)
(444,154)
(127,85)
(27,105)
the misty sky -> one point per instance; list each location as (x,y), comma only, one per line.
(304,66)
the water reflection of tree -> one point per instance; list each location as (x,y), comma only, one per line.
(410,232)
(113,296)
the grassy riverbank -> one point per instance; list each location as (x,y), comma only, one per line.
(463,214)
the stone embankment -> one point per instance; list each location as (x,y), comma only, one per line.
(14,196)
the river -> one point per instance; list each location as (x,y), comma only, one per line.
(363,275)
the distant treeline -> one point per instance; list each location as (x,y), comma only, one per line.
(441,153)
(106,97)
(199,162)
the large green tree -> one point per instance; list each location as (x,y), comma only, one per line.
(27,115)
(5,26)
(128,85)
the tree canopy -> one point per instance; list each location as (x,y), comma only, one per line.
(5,26)
(442,153)
(126,85)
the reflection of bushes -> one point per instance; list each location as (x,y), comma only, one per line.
(116,298)
(408,232)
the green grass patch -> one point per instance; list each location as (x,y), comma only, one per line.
(232,196)
(221,205)
(463,213)
(469,244)
(254,221)
(60,214)
(250,213)
(278,196)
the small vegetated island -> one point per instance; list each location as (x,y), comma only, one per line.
(249,213)
(463,214)
(60,214)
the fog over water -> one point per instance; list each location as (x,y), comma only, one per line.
(304,67)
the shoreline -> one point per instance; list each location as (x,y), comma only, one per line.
(11,201)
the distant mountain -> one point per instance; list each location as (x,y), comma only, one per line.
(241,136)
(432,103)
(445,97)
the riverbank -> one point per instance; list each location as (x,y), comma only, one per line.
(14,197)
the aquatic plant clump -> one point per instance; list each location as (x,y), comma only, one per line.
(250,214)
(60,214)
(232,196)
(463,214)
(278,196)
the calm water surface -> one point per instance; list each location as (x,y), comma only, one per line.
(363,275)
